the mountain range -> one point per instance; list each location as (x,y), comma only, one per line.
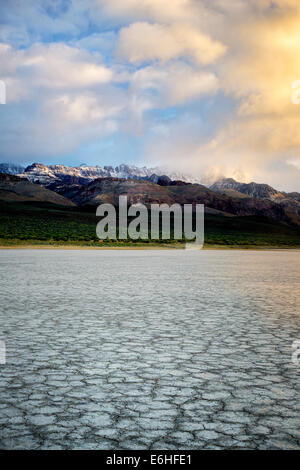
(84,174)
(88,185)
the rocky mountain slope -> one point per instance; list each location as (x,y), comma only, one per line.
(14,188)
(61,174)
(11,168)
(108,190)
(257,190)
(262,191)
(289,201)
(294,195)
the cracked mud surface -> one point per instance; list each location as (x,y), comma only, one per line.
(149,350)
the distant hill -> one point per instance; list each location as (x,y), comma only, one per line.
(15,188)
(108,190)
(289,201)
(257,190)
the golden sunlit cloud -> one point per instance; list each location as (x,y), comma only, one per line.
(258,69)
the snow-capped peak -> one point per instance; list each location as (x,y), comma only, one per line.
(83,174)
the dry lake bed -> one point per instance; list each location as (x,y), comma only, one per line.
(149,349)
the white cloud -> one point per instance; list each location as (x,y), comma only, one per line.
(174,84)
(142,42)
(60,97)
(53,66)
(155,10)
(75,97)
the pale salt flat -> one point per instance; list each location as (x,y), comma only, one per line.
(149,349)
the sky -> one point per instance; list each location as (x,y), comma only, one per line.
(199,86)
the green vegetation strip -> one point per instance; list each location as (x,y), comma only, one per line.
(48,224)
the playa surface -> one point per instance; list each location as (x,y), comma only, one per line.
(160,349)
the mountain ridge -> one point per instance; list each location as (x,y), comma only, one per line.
(44,174)
(48,174)
(289,201)
(91,185)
